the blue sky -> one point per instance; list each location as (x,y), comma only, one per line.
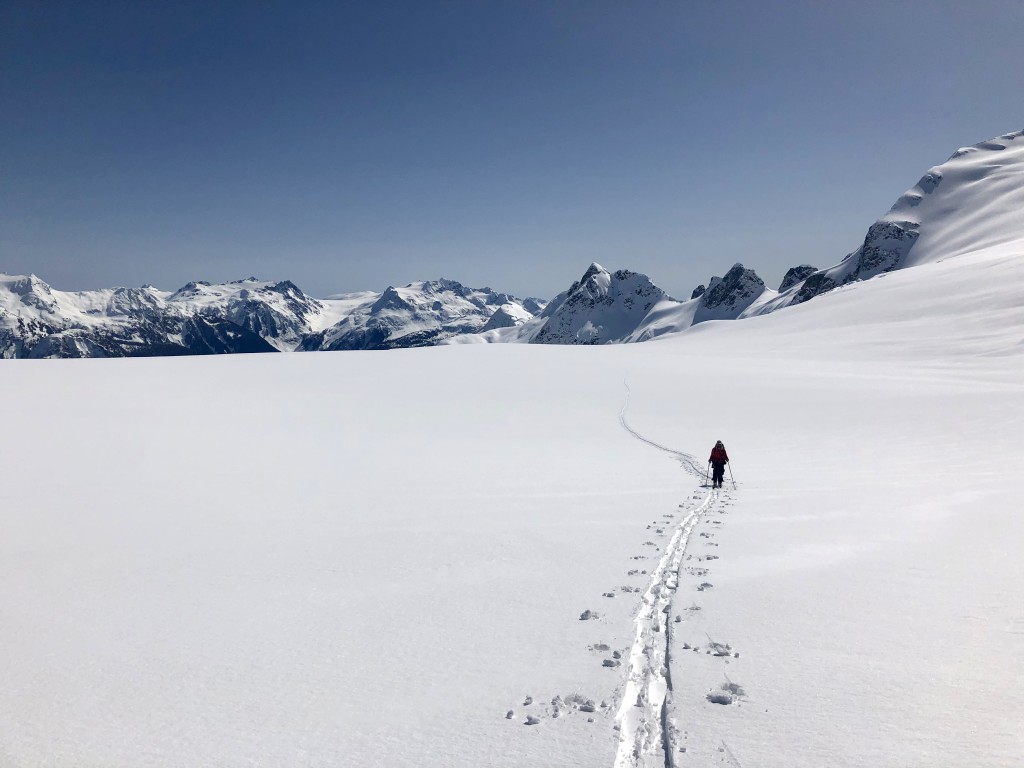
(349,146)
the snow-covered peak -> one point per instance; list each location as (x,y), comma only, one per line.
(796,275)
(390,300)
(27,293)
(507,316)
(596,281)
(599,308)
(276,311)
(420,313)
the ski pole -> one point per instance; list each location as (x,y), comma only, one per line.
(731,477)
(707,475)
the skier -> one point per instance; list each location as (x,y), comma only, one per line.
(719,458)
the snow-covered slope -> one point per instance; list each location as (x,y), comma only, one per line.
(387,565)
(974,200)
(279,312)
(247,316)
(241,316)
(420,314)
(616,307)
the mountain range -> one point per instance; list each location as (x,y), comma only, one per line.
(971,201)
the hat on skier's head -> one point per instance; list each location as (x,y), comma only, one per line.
(719,443)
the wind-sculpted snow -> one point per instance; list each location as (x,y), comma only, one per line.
(969,203)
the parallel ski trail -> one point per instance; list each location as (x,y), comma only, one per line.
(641,719)
(645,738)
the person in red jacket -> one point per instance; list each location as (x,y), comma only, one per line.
(719,458)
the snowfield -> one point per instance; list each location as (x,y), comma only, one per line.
(374,558)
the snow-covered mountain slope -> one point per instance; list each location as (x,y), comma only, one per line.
(974,200)
(279,313)
(617,307)
(241,316)
(420,314)
(388,567)
(738,294)
(38,321)
(200,318)
(599,308)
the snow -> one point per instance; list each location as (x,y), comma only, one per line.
(506,554)
(371,558)
(421,313)
(971,202)
(600,308)
(38,321)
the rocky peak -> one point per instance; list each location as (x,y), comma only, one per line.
(796,275)
(595,282)
(727,297)
(738,285)
(601,307)
(391,299)
(190,290)
(884,249)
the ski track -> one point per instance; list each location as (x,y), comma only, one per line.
(689,461)
(646,737)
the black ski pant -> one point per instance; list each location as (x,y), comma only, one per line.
(717,472)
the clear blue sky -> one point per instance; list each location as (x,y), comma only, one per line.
(349,146)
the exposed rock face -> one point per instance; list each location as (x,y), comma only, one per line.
(885,248)
(796,275)
(698,291)
(738,284)
(814,285)
(727,297)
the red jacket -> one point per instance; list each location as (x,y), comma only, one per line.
(719,456)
